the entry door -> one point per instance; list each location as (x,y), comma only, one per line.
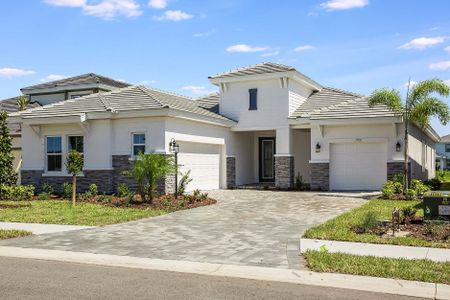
(266,159)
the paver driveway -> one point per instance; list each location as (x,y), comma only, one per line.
(245,227)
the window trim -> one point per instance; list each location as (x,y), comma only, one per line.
(68,143)
(446,147)
(133,144)
(47,154)
(251,105)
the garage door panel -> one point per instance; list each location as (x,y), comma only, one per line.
(204,167)
(357,166)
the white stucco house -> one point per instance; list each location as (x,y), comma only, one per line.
(268,123)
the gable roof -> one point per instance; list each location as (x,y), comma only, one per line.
(210,102)
(89,78)
(257,69)
(445,139)
(332,103)
(132,98)
(10,106)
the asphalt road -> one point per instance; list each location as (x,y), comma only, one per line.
(36,279)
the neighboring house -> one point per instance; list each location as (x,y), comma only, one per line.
(267,124)
(51,92)
(443,153)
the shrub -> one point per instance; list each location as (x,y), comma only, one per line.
(7,174)
(369,222)
(74,165)
(299,182)
(184,181)
(123,190)
(435,229)
(419,187)
(408,213)
(44,196)
(16,192)
(67,190)
(387,191)
(47,188)
(434,184)
(410,194)
(93,190)
(86,196)
(398,178)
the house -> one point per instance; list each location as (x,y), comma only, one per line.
(51,92)
(443,153)
(268,123)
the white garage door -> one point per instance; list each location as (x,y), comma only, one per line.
(357,166)
(204,164)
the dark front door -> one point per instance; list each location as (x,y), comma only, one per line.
(266,159)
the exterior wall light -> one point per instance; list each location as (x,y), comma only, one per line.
(398,147)
(317,147)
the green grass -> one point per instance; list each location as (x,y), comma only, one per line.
(417,270)
(340,228)
(11,233)
(62,212)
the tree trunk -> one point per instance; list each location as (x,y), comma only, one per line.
(406,159)
(74,189)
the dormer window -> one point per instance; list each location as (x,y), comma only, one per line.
(253,100)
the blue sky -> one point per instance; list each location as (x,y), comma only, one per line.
(358,45)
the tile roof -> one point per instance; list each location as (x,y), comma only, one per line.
(89,78)
(331,103)
(445,139)
(257,69)
(136,97)
(210,102)
(10,106)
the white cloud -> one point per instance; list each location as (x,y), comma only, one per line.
(204,34)
(14,72)
(174,15)
(68,3)
(158,4)
(303,48)
(447,49)
(344,4)
(411,84)
(447,82)
(423,42)
(106,9)
(197,90)
(245,48)
(440,66)
(52,77)
(267,54)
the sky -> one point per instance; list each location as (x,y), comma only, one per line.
(174,45)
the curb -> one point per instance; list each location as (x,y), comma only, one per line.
(378,250)
(354,282)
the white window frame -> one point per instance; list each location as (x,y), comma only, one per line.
(133,144)
(54,154)
(68,144)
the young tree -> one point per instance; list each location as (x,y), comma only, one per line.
(74,165)
(419,106)
(147,169)
(22,102)
(7,174)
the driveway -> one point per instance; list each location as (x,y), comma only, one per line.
(260,228)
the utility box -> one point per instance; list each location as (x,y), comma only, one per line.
(436,205)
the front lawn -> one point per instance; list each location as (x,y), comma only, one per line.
(11,233)
(418,270)
(62,212)
(342,228)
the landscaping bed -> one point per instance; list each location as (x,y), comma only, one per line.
(11,233)
(418,270)
(370,223)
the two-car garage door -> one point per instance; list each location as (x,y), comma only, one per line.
(358,166)
(204,162)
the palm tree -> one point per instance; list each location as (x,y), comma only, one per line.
(22,102)
(419,106)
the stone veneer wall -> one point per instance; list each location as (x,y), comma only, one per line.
(104,180)
(394,168)
(320,176)
(231,172)
(284,172)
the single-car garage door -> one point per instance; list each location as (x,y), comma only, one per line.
(204,162)
(358,166)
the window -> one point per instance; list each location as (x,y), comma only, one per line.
(252,99)
(447,147)
(138,143)
(76,143)
(54,154)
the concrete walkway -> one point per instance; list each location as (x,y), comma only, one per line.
(254,228)
(391,251)
(41,228)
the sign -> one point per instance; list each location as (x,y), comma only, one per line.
(444,210)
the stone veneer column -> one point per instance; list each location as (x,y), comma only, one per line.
(284,171)
(396,167)
(231,172)
(320,176)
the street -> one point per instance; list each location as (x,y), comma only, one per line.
(37,279)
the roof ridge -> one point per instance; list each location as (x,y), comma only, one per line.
(343,91)
(207,95)
(168,92)
(252,66)
(106,103)
(145,91)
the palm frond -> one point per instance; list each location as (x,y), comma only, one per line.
(430,107)
(424,89)
(389,97)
